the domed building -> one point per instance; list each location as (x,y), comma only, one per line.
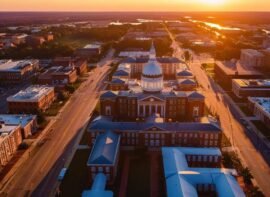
(152,76)
(152,98)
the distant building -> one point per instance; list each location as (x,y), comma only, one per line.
(98,188)
(19,39)
(260,106)
(34,41)
(244,88)
(187,173)
(251,58)
(10,139)
(27,123)
(154,133)
(151,98)
(31,100)
(58,76)
(89,50)
(104,156)
(49,37)
(17,71)
(79,64)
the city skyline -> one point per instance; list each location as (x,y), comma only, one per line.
(121,5)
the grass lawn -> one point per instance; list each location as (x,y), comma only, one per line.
(73,42)
(76,179)
(262,127)
(139,177)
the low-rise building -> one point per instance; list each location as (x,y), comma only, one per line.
(228,70)
(34,41)
(89,50)
(187,173)
(104,156)
(154,133)
(251,58)
(98,188)
(17,71)
(186,84)
(244,88)
(31,100)
(27,123)
(58,76)
(260,106)
(78,63)
(10,139)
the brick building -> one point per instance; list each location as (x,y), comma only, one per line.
(79,64)
(104,156)
(31,100)
(17,71)
(155,133)
(58,76)
(27,123)
(244,88)
(10,139)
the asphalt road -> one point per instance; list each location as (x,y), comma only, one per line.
(229,119)
(39,172)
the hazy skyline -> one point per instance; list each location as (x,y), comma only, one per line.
(135,5)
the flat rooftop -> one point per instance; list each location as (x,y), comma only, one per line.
(264,102)
(92,46)
(30,94)
(14,119)
(253,83)
(230,68)
(13,66)
(252,52)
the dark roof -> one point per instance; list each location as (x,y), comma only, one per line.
(162,95)
(195,95)
(184,73)
(117,81)
(103,123)
(105,149)
(168,60)
(187,82)
(108,94)
(121,73)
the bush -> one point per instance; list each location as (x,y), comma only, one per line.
(23,146)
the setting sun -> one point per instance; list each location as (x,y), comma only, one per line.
(213,2)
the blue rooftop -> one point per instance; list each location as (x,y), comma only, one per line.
(181,180)
(120,73)
(105,149)
(98,188)
(102,123)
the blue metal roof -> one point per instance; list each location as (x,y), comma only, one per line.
(121,73)
(105,149)
(104,124)
(98,188)
(186,81)
(185,73)
(109,94)
(181,180)
(117,81)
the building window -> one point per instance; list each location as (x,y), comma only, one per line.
(108,111)
(195,111)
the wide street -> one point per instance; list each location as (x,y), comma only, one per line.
(218,103)
(47,158)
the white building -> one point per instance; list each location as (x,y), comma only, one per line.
(261,108)
(251,58)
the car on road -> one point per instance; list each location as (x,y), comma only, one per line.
(62,174)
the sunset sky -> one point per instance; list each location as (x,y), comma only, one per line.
(135,5)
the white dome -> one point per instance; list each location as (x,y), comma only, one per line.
(152,68)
